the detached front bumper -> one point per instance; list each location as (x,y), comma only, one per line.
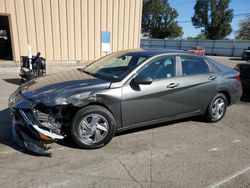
(27,131)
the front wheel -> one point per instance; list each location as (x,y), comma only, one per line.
(93,127)
(217,108)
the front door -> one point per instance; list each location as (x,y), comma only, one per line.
(145,103)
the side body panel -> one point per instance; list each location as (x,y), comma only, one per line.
(156,101)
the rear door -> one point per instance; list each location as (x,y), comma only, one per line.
(198,84)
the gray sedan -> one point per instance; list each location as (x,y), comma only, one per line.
(120,91)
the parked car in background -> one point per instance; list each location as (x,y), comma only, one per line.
(198,50)
(244,69)
(121,91)
(246,54)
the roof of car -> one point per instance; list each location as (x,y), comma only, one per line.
(153,52)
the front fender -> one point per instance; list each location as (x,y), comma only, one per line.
(109,98)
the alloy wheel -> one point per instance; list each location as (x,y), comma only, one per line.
(218,108)
(93,128)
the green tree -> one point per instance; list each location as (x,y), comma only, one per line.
(199,36)
(244,32)
(159,20)
(214,16)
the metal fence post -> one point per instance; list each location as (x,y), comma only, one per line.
(213,48)
(233,48)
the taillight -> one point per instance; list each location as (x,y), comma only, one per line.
(237,78)
(237,68)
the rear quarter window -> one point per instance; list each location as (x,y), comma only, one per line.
(213,65)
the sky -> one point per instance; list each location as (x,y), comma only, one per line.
(185,9)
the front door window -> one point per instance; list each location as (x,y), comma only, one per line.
(161,68)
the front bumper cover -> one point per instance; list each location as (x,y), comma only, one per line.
(30,134)
(27,131)
(24,141)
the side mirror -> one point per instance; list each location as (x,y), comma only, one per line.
(144,80)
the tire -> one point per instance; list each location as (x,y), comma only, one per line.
(214,114)
(93,127)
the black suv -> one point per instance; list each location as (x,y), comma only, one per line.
(246,54)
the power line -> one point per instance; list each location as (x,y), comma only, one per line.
(243,14)
(184,21)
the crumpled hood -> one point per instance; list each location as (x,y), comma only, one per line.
(61,85)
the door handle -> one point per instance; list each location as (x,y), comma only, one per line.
(173,85)
(212,77)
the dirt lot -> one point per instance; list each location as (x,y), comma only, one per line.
(187,153)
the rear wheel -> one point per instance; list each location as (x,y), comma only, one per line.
(217,108)
(93,127)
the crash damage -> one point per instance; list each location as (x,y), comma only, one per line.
(33,128)
(41,115)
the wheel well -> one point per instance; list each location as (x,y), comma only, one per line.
(75,109)
(99,104)
(227,96)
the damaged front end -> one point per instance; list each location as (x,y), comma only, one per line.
(33,125)
(43,108)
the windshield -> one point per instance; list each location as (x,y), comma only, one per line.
(116,66)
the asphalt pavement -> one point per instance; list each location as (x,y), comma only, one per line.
(186,153)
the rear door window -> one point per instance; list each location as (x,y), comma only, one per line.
(193,66)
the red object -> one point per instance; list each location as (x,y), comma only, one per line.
(200,52)
(197,50)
